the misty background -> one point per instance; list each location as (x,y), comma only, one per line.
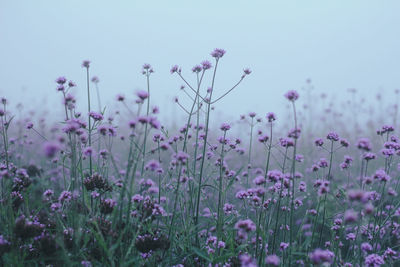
(337,44)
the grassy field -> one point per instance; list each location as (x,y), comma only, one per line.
(119,187)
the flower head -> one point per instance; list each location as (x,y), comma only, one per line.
(174,69)
(333,136)
(292,95)
(86,64)
(374,260)
(50,149)
(225,127)
(95,79)
(247,71)
(206,65)
(320,256)
(272,260)
(218,53)
(61,80)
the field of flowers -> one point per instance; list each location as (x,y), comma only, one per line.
(103,187)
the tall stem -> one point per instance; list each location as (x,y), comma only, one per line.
(325,197)
(146,125)
(293,184)
(220,192)
(250,147)
(263,198)
(205,145)
(90,123)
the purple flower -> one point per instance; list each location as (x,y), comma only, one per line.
(369,156)
(142,94)
(294,133)
(274,175)
(60,88)
(247,71)
(96,116)
(86,263)
(323,163)
(95,79)
(29,125)
(350,216)
(252,114)
(241,194)
(364,144)
(197,69)
(71,84)
(245,225)
(107,205)
(374,260)
(259,180)
(283,246)
(272,260)
(319,142)
(320,256)
(61,80)
(88,151)
(48,193)
(55,206)
(65,196)
(247,261)
(382,176)
(153,165)
(182,157)
(50,149)
(333,136)
(299,158)
(225,127)
(387,152)
(228,208)
(174,69)
(206,65)
(218,53)
(86,64)
(271,117)
(385,129)
(286,142)
(263,138)
(120,98)
(344,142)
(366,247)
(292,95)
(146,66)
(350,236)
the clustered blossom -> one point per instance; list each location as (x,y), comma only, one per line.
(382,176)
(218,53)
(245,225)
(364,144)
(225,127)
(206,65)
(319,142)
(51,149)
(292,95)
(374,260)
(272,260)
(271,117)
(107,205)
(96,116)
(86,64)
(320,256)
(333,136)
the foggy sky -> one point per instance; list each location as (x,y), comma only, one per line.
(338,44)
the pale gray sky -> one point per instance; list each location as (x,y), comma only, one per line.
(338,44)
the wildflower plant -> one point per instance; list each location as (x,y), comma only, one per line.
(104,187)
